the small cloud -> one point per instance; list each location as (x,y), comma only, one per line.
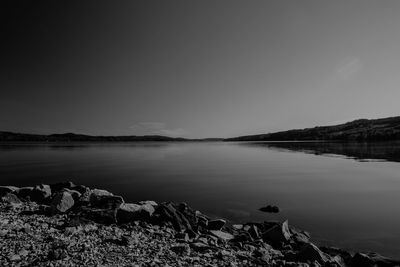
(157,128)
(349,68)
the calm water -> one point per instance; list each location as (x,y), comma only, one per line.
(346,195)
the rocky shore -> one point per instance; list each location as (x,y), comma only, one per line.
(72,225)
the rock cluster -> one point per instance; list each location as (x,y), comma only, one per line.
(72,225)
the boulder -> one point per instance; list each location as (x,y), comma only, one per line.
(8,189)
(39,193)
(128,212)
(11,198)
(62,201)
(222,235)
(97,194)
(278,234)
(166,212)
(311,252)
(270,209)
(216,224)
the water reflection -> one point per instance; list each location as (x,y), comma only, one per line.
(379,151)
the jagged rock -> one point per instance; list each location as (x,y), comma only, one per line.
(8,189)
(332,251)
(270,209)
(311,252)
(372,260)
(277,234)
(128,212)
(62,202)
(216,224)
(253,231)
(168,213)
(222,235)
(181,249)
(59,186)
(299,237)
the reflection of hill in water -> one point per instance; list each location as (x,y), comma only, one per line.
(388,151)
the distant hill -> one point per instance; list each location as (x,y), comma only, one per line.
(358,130)
(71,137)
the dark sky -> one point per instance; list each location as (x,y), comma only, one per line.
(196,68)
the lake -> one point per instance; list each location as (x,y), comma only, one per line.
(345,195)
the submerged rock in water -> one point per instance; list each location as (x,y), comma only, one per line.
(270,209)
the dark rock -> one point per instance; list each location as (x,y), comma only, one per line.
(270,209)
(25,192)
(106,202)
(59,186)
(199,246)
(40,193)
(102,216)
(57,254)
(372,260)
(253,231)
(242,237)
(80,188)
(300,236)
(183,237)
(332,251)
(128,212)
(311,252)
(216,224)
(202,221)
(8,189)
(278,234)
(11,198)
(181,249)
(168,213)
(97,194)
(62,202)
